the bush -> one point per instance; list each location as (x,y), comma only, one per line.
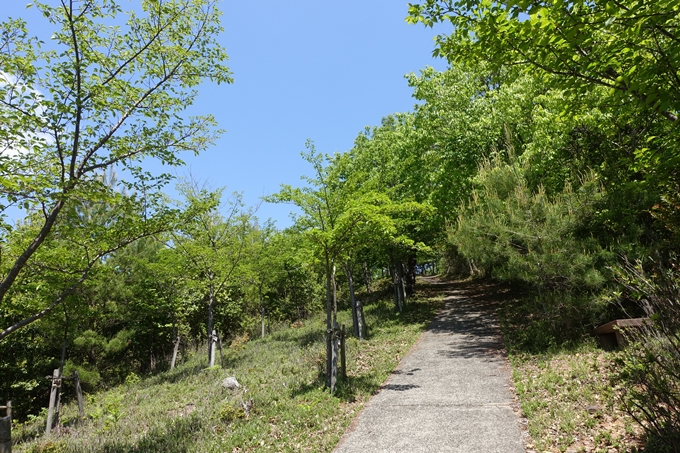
(650,366)
(512,232)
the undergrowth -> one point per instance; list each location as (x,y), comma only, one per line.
(281,406)
(567,386)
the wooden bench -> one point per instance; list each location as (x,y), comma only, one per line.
(610,335)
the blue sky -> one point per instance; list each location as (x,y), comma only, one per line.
(314,69)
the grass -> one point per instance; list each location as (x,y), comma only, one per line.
(567,390)
(188,409)
(571,403)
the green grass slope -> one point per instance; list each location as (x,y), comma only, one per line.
(189,410)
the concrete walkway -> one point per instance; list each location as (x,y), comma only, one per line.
(450,393)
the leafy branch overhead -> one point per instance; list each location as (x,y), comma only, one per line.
(631,47)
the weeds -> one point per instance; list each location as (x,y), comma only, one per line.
(651,365)
(187,409)
(567,387)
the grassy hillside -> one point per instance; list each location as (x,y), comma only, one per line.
(189,410)
(569,390)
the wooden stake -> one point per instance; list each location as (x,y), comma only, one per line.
(329,356)
(343,359)
(6,429)
(362,320)
(56,383)
(174,353)
(79,395)
(213,340)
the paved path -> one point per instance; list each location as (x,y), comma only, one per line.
(450,393)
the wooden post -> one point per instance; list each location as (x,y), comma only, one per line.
(6,429)
(262,310)
(79,395)
(174,353)
(343,359)
(334,358)
(56,383)
(352,298)
(262,313)
(362,321)
(213,340)
(329,356)
(219,344)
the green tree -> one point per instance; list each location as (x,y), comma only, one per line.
(261,265)
(617,56)
(213,245)
(629,46)
(104,94)
(332,213)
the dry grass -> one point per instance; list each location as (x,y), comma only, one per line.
(565,383)
(571,403)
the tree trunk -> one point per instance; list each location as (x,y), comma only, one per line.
(152,360)
(395,287)
(402,286)
(367,278)
(411,275)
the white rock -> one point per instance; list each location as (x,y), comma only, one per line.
(231,383)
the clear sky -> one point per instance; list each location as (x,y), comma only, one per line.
(316,69)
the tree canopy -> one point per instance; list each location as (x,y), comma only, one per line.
(630,46)
(103,93)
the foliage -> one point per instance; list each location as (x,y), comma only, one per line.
(651,364)
(187,409)
(514,233)
(629,46)
(101,95)
(621,57)
(296,286)
(211,246)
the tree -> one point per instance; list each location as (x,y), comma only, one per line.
(260,268)
(332,213)
(105,94)
(631,47)
(627,52)
(212,245)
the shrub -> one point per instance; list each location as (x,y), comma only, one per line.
(650,366)
(512,232)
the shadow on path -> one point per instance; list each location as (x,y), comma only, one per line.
(451,392)
(470,310)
